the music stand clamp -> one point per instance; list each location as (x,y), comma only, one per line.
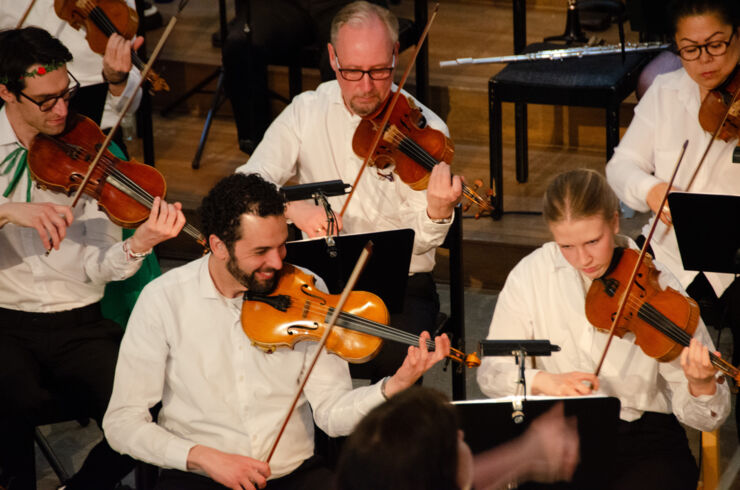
(519,349)
(319,191)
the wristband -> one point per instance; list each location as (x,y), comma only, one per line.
(134,255)
(382,387)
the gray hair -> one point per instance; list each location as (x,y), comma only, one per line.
(360,13)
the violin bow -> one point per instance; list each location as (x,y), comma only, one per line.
(390,107)
(359,266)
(129,102)
(25,14)
(638,263)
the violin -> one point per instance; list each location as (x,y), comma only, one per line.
(124,190)
(408,144)
(101,19)
(662,320)
(720,109)
(296,311)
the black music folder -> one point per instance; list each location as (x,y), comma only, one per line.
(488,423)
(386,271)
(707,230)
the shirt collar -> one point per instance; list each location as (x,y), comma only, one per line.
(688,92)
(7,135)
(205,281)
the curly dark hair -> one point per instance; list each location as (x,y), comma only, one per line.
(22,48)
(232,196)
(728,11)
(415,429)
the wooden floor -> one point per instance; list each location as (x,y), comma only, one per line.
(560,138)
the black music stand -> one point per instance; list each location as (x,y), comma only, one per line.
(386,271)
(707,231)
(487,423)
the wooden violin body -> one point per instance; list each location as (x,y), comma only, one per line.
(297,311)
(59,163)
(124,190)
(409,145)
(652,313)
(101,19)
(662,320)
(720,102)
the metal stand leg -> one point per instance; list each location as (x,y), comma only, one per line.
(218,99)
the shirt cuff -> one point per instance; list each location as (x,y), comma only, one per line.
(176,454)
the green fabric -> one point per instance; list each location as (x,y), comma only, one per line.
(120,296)
(17,159)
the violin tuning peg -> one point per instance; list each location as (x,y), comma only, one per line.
(477,183)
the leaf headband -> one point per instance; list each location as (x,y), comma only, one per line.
(40,71)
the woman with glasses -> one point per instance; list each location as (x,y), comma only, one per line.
(706,40)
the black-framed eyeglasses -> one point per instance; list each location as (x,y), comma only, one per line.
(355,75)
(714,48)
(48,103)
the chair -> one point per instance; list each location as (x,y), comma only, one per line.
(596,81)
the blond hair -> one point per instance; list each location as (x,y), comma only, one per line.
(361,13)
(580,193)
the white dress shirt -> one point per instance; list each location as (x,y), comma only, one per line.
(90,256)
(667,116)
(184,345)
(544,298)
(312,141)
(86,66)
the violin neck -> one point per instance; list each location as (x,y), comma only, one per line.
(725,367)
(416,152)
(363,325)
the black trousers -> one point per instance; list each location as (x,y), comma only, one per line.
(56,365)
(420,309)
(311,475)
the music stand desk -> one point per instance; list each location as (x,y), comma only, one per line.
(488,423)
(707,230)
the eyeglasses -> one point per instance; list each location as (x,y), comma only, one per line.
(355,75)
(714,48)
(48,104)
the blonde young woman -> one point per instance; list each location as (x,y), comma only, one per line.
(544,298)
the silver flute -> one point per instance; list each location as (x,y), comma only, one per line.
(559,54)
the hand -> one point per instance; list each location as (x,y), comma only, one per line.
(165,221)
(310,218)
(566,384)
(655,197)
(231,470)
(443,192)
(49,220)
(418,361)
(117,61)
(552,446)
(698,369)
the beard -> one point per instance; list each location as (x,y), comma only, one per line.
(365,109)
(250,281)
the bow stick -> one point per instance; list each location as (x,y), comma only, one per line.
(25,15)
(643,252)
(359,266)
(129,102)
(389,109)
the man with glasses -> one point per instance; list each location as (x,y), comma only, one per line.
(58,353)
(311,141)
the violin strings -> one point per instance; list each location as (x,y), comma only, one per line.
(109,169)
(363,325)
(663,324)
(419,154)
